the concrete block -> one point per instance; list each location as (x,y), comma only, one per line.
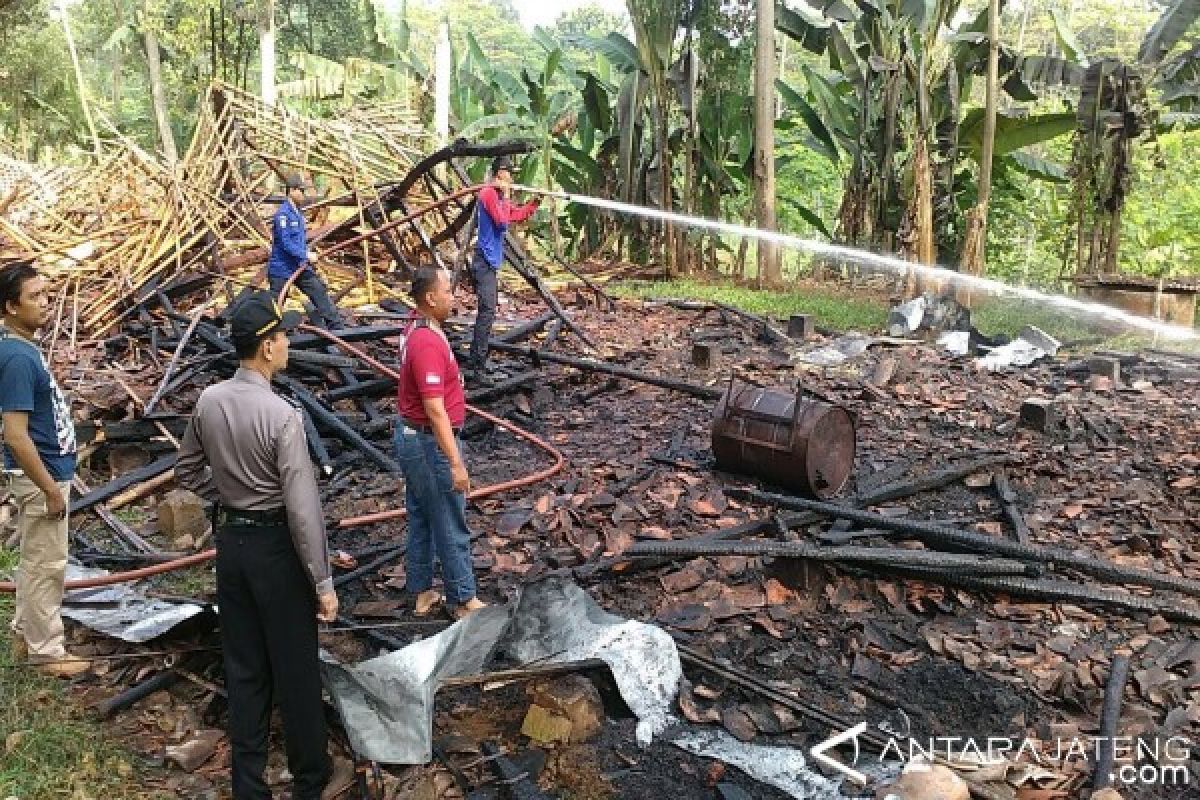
(181,514)
(1039,414)
(800,326)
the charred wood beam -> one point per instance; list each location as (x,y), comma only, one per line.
(1110,714)
(136,430)
(935,535)
(933,480)
(364,333)
(878,557)
(127,698)
(524,331)
(113,488)
(376,218)
(1008,500)
(518,782)
(330,421)
(459,148)
(316,445)
(456,226)
(589,365)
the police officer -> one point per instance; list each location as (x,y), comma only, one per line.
(245,449)
(290,254)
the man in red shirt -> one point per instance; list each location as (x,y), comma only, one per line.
(432,408)
(496,213)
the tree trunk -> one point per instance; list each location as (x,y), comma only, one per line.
(975,240)
(165,137)
(87,111)
(769,266)
(266,51)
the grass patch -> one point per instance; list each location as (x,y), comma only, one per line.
(833,307)
(1008,315)
(197,582)
(50,748)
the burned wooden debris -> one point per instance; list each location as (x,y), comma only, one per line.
(982,574)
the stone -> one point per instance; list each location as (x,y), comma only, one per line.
(189,755)
(566,710)
(702,355)
(1107,367)
(1157,625)
(1039,414)
(800,326)
(182,516)
(921,781)
(1106,794)
(1100,383)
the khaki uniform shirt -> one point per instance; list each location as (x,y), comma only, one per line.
(245,446)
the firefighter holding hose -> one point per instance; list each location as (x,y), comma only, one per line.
(496,213)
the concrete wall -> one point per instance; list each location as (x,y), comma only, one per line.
(1176,307)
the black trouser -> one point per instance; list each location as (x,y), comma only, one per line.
(487,292)
(269,635)
(309,282)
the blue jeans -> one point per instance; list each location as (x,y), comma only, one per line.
(314,288)
(437,517)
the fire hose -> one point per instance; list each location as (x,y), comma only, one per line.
(483,491)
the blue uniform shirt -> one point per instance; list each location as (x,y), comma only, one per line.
(289,242)
(27,385)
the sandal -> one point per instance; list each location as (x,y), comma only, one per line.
(464,610)
(427,601)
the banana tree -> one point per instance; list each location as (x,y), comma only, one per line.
(656,25)
(891,100)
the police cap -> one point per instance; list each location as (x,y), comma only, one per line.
(258,315)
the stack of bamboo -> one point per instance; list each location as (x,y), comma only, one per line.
(106,235)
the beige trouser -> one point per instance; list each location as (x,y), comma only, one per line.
(41,570)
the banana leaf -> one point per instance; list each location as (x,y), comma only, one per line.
(1013,133)
(1036,167)
(808,216)
(596,103)
(804,25)
(1067,40)
(618,51)
(1168,29)
(826,146)
(492,122)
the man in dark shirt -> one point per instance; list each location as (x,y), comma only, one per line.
(39,462)
(432,409)
(496,213)
(290,254)
(245,448)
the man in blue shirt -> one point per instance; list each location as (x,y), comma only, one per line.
(290,254)
(496,213)
(39,462)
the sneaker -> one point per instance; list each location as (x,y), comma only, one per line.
(66,667)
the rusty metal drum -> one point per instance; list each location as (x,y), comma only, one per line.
(793,440)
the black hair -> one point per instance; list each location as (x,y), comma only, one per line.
(423,281)
(12,281)
(247,348)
